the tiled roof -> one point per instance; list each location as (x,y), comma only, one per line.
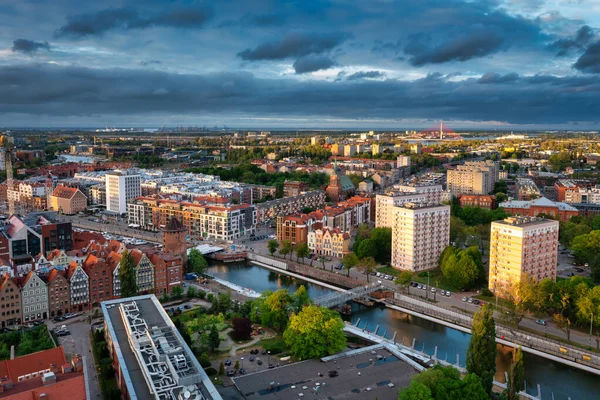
(64,192)
(70,386)
(53,254)
(30,363)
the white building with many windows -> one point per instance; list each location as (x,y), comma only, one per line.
(120,187)
(420,232)
(35,298)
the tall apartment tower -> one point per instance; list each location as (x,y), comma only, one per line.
(120,187)
(420,232)
(385,203)
(522,246)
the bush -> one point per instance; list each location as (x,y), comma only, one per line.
(204,360)
(210,371)
(201,294)
(487,292)
(422,274)
(242,329)
(210,297)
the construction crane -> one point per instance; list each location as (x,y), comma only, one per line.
(9,180)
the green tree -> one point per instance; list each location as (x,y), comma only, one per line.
(285,248)
(404,280)
(196,262)
(213,338)
(221,368)
(367,248)
(300,298)
(302,251)
(481,354)
(191,292)
(315,332)
(127,275)
(516,375)
(443,383)
(367,266)
(274,309)
(416,391)
(176,293)
(349,261)
(273,245)
(501,197)
(383,242)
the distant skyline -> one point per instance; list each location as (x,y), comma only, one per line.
(378,64)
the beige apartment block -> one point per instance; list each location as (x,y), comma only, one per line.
(384,204)
(420,232)
(522,246)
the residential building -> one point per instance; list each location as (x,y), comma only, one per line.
(43,375)
(420,232)
(477,200)
(261,192)
(542,205)
(337,149)
(329,242)
(349,150)
(269,210)
(121,186)
(476,177)
(79,288)
(10,302)
(98,194)
(376,148)
(59,295)
(58,257)
(433,192)
(403,161)
(34,298)
(522,246)
(384,204)
(168,272)
(144,272)
(293,228)
(294,188)
(67,200)
(526,189)
(563,187)
(366,186)
(100,278)
(139,333)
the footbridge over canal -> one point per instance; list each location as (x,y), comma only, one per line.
(337,298)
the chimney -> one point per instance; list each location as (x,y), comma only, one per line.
(12,352)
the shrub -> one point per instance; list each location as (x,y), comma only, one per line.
(211,371)
(210,297)
(487,292)
(201,294)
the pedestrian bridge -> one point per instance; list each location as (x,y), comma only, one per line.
(336,298)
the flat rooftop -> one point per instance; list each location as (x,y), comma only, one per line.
(362,376)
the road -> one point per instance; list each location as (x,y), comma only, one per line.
(115,228)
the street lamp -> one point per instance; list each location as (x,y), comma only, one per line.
(268,358)
(591,323)
(242,362)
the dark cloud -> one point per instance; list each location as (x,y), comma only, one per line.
(97,23)
(146,63)
(255,20)
(312,63)
(492,77)
(590,60)
(100,95)
(583,37)
(295,44)
(461,48)
(29,46)
(366,75)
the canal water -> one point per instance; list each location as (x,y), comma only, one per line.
(554,378)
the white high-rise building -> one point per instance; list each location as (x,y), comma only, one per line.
(384,204)
(120,187)
(420,232)
(403,161)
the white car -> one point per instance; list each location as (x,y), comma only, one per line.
(464,298)
(432,290)
(448,294)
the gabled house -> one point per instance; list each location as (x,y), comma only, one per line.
(144,272)
(58,257)
(59,294)
(35,298)
(79,285)
(100,278)
(10,302)
(113,262)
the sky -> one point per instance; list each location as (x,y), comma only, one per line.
(477,64)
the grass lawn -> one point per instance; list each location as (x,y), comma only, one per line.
(274,345)
(388,271)
(435,278)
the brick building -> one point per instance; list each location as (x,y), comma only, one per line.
(294,188)
(532,208)
(59,294)
(481,201)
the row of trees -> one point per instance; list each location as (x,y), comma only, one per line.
(375,243)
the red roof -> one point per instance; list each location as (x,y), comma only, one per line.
(69,386)
(53,254)
(33,362)
(64,192)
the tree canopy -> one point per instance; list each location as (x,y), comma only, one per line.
(315,332)
(196,261)
(481,354)
(463,268)
(443,383)
(127,275)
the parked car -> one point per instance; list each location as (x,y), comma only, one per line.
(432,290)
(242,371)
(259,362)
(470,300)
(231,373)
(59,318)
(63,333)
(464,298)
(187,306)
(227,362)
(540,322)
(476,302)
(414,284)
(448,294)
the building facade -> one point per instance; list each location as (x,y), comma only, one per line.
(533,208)
(144,272)
(121,187)
(477,200)
(522,246)
(385,203)
(10,302)
(477,177)
(294,188)
(68,200)
(79,287)
(329,242)
(59,295)
(293,228)
(35,298)
(420,232)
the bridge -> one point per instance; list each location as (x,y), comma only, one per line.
(336,298)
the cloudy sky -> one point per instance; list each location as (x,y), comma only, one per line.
(301,63)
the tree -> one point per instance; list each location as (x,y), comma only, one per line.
(213,338)
(349,261)
(443,383)
(191,292)
(404,279)
(242,329)
(481,354)
(367,248)
(273,245)
(315,332)
(516,375)
(302,252)
(274,309)
(501,197)
(223,302)
(300,298)
(462,268)
(221,368)
(127,275)
(383,242)
(196,262)
(285,248)
(367,265)
(177,293)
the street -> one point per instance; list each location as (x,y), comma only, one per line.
(114,227)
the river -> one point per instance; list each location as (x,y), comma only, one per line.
(554,378)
